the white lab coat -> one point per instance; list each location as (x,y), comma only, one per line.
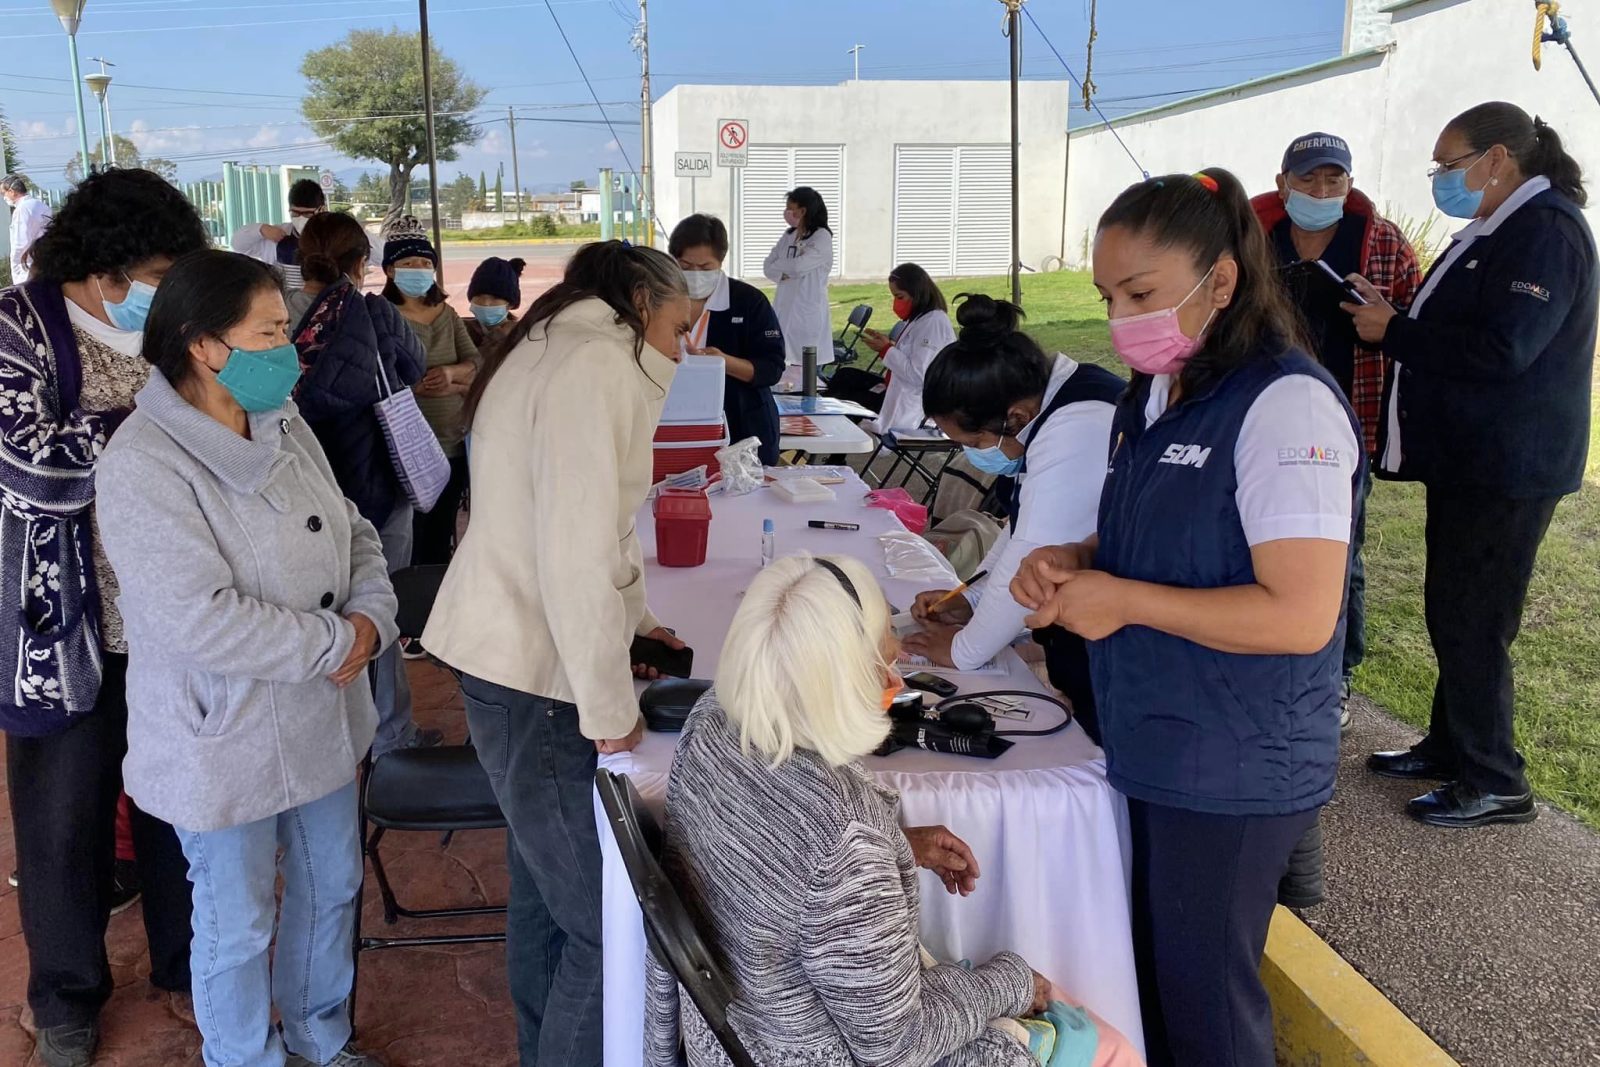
(908,360)
(28,220)
(802,270)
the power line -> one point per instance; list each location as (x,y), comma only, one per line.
(1043,37)
(615,139)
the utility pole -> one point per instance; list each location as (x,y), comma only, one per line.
(516,168)
(856,51)
(1014,31)
(647,184)
(433,159)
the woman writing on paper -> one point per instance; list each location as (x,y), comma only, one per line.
(1044,421)
(801,264)
(1211,595)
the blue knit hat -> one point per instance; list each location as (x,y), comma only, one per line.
(499,278)
(407,238)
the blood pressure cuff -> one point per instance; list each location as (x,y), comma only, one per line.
(666,704)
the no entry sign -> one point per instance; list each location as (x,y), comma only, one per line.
(733,142)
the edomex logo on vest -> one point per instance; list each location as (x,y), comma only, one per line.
(1186,455)
(1308,456)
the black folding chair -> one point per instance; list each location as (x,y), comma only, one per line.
(678,944)
(429,790)
(844,346)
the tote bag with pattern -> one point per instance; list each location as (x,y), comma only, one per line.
(419,461)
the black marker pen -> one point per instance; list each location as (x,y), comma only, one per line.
(818,524)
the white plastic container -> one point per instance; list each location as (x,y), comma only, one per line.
(696,393)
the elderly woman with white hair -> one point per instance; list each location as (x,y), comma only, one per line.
(794,858)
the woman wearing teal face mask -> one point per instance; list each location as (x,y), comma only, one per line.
(1045,423)
(494,293)
(1488,408)
(409,260)
(69,344)
(255,596)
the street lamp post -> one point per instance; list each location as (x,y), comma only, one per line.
(100,83)
(70,12)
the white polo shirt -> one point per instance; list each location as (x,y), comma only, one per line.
(1294,460)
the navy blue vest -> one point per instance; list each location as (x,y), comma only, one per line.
(1088,382)
(1185,725)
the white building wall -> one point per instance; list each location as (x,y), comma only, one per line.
(869,118)
(1447,56)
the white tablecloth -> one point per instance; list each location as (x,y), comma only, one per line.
(1048,830)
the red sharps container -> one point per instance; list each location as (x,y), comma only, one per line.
(683,526)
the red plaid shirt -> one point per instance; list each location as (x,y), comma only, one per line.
(1390,263)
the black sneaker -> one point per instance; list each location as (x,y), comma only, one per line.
(68,1046)
(124,886)
(411,648)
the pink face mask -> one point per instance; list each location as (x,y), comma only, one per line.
(1153,343)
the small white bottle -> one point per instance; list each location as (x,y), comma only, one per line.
(769,542)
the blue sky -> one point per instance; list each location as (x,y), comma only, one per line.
(200,81)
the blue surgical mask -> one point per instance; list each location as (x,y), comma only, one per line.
(992,460)
(261,381)
(414,282)
(489,316)
(1451,195)
(130,312)
(1314,213)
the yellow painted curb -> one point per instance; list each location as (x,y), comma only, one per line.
(1326,1015)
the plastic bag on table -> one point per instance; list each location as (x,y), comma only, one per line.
(908,556)
(742,471)
(912,515)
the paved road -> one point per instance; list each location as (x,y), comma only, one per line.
(1489,939)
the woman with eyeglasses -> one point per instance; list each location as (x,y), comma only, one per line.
(1489,409)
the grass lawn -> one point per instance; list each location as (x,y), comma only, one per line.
(1558,654)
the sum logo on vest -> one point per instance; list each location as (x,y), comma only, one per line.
(1186,455)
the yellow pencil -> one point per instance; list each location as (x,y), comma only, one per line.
(957,591)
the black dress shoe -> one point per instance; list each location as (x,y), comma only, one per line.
(1459,804)
(1409,763)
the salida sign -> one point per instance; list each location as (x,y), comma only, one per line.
(692,164)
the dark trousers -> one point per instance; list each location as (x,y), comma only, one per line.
(1204,887)
(1066,660)
(542,770)
(64,791)
(1481,551)
(434,532)
(1355,609)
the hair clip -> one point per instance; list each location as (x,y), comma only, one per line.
(1208,182)
(626,243)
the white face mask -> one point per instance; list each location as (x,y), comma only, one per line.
(702,283)
(297,225)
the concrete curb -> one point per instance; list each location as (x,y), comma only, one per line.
(1326,1015)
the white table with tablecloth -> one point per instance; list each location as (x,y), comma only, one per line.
(1049,832)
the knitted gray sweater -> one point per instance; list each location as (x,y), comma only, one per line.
(808,888)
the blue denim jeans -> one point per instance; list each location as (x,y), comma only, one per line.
(391,689)
(311,972)
(542,771)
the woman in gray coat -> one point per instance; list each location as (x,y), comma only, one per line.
(796,859)
(254,596)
